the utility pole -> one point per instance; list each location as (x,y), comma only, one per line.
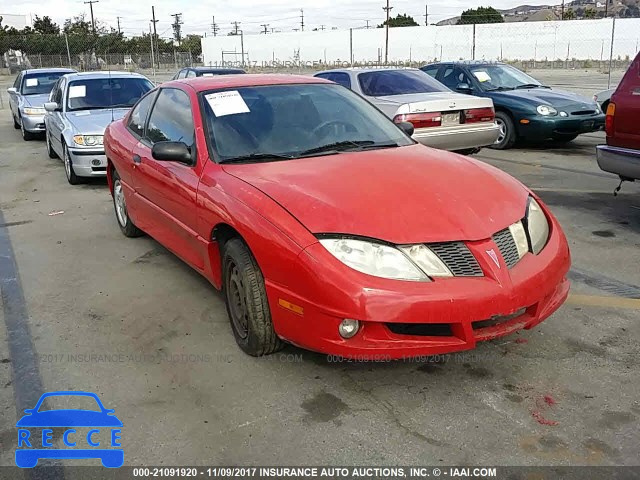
(321,27)
(302,19)
(235,26)
(155,33)
(118,18)
(426,15)
(265,25)
(177,27)
(562,11)
(93,23)
(386,40)
(367,27)
(606,8)
(214,26)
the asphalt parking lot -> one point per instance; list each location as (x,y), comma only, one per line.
(565,393)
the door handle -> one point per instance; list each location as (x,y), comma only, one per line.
(137,159)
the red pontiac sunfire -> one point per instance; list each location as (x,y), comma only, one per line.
(326,225)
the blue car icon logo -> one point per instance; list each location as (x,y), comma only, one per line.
(75,428)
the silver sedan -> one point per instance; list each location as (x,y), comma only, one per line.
(27,96)
(80,107)
(441,118)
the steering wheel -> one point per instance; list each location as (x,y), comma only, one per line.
(332,123)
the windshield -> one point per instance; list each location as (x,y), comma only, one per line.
(106,92)
(290,121)
(502,77)
(398,82)
(40,83)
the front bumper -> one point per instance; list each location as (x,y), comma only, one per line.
(542,128)
(33,123)
(459,137)
(462,310)
(624,162)
(88,162)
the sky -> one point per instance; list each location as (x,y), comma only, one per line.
(283,15)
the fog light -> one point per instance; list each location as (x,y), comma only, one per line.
(348,328)
(95,163)
(564,114)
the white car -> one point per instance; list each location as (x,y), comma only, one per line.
(603,98)
(441,118)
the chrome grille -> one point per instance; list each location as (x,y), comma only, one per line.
(507,246)
(457,257)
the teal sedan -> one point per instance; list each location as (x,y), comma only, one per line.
(525,109)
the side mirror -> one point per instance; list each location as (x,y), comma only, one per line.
(51,107)
(464,88)
(406,127)
(172,152)
(12,90)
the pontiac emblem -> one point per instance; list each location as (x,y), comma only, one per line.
(494,257)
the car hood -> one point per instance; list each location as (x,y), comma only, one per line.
(556,98)
(402,195)
(94,121)
(35,101)
(69,418)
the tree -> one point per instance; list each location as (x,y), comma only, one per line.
(403,20)
(480,15)
(192,43)
(590,12)
(45,26)
(569,14)
(81,26)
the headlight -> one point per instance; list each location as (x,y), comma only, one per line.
(520,238)
(537,226)
(374,259)
(428,261)
(546,110)
(33,111)
(88,140)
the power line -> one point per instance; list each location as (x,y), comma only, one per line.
(214,26)
(386,41)
(93,23)
(265,25)
(118,19)
(235,26)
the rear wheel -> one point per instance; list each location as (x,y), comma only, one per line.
(507,136)
(246,300)
(126,225)
(72,178)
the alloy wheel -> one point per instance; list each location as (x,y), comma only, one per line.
(121,206)
(236,295)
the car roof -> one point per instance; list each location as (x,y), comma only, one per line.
(367,69)
(213,69)
(474,63)
(48,70)
(95,75)
(201,84)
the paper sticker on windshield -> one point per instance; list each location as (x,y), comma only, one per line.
(32,82)
(77,91)
(207,74)
(226,103)
(482,76)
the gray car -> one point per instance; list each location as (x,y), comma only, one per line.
(80,107)
(27,96)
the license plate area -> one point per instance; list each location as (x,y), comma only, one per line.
(450,118)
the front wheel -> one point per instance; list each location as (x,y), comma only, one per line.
(16,125)
(72,178)
(246,300)
(127,226)
(507,136)
(26,135)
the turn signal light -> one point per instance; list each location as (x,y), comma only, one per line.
(420,120)
(608,121)
(475,115)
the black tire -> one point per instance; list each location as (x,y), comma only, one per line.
(72,178)
(559,137)
(604,106)
(507,132)
(246,299)
(26,136)
(127,227)
(50,151)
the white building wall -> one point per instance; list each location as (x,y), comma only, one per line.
(581,39)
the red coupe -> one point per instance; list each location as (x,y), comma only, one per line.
(326,225)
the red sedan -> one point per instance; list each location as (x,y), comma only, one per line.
(326,225)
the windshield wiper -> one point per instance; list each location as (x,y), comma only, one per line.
(499,89)
(87,108)
(347,145)
(258,157)
(532,85)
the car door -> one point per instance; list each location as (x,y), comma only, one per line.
(13,98)
(627,109)
(54,122)
(168,190)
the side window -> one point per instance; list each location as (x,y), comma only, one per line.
(454,76)
(171,118)
(191,74)
(56,93)
(182,74)
(431,70)
(341,78)
(16,84)
(139,115)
